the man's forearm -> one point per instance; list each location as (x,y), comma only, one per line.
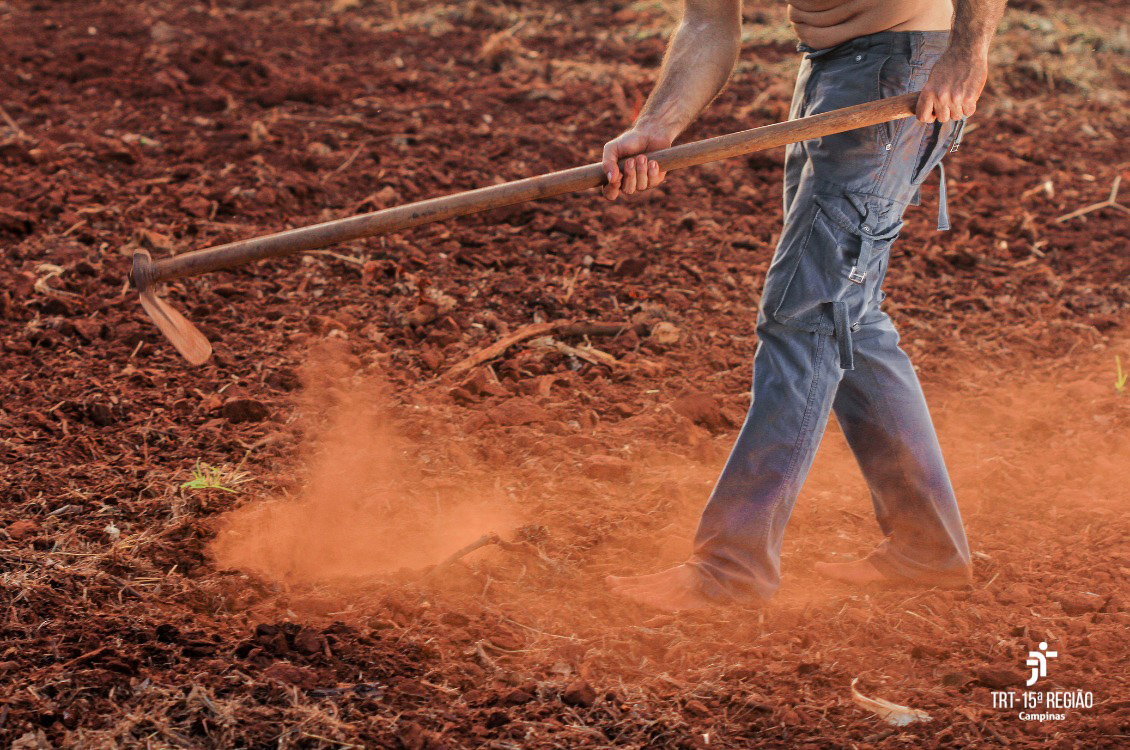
(699,60)
(974,24)
(959,76)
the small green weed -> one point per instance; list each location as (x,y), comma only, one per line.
(208,477)
(1122,376)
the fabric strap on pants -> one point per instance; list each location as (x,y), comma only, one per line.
(943,207)
(842,327)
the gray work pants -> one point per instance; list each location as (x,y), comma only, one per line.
(825,345)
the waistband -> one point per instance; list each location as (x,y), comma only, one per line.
(911,43)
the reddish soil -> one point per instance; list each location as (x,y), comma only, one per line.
(301,605)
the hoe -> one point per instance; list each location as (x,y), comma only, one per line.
(192,344)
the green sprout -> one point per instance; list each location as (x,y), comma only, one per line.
(1122,376)
(208,477)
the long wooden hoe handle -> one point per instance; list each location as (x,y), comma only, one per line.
(147,272)
(544,186)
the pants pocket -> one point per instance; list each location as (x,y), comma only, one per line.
(855,159)
(837,262)
(894,79)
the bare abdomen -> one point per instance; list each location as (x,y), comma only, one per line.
(826,23)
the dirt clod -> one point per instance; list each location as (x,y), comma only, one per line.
(291,675)
(237,410)
(21,530)
(701,408)
(998,679)
(518,411)
(579,693)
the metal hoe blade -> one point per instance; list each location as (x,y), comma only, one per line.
(186,337)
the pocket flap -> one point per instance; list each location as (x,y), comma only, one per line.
(861,214)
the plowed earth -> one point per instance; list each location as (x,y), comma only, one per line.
(296,604)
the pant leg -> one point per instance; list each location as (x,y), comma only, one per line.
(738,543)
(880,404)
(795,155)
(844,199)
(882,411)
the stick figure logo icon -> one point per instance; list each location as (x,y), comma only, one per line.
(1038,661)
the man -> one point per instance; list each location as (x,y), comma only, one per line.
(824,344)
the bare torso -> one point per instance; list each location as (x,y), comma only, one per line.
(826,23)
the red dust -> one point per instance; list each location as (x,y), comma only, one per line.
(365,507)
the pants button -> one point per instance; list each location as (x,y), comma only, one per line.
(855,326)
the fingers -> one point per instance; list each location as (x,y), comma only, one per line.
(615,180)
(612,172)
(629,184)
(925,111)
(637,173)
(943,107)
(641,174)
(612,189)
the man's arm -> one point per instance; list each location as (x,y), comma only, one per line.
(959,76)
(699,60)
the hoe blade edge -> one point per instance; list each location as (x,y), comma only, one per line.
(186,337)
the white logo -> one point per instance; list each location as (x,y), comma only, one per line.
(1042,705)
(1038,661)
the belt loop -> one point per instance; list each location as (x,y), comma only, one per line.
(943,208)
(843,335)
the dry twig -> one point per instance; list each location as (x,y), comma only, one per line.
(12,123)
(352,157)
(589,354)
(533,331)
(484,541)
(1108,203)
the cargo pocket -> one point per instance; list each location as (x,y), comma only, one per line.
(826,283)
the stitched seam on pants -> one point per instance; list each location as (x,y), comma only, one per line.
(809,85)
(890,156)
(817,377)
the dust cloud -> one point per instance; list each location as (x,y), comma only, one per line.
(366,506)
